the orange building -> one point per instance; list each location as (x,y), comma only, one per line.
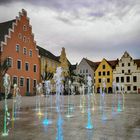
(17,43)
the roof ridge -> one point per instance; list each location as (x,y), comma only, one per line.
(47,53)
(12,20)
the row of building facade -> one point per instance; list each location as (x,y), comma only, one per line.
(31,64)
(123,72)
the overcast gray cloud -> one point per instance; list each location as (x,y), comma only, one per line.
(86,28)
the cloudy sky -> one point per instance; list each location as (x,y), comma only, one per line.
(94,29)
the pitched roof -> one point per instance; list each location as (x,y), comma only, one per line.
(48,54)
(4,28)
(93,65)
(137,61)
(113,63)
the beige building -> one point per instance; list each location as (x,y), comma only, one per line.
(127,73)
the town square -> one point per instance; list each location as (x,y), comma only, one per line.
(69,70)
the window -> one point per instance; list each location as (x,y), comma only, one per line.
(134,78)
(24,39)
(103,66)
(35,68)
(99,73)
(117,79)
(19,64)
(86,70)
(24,51)
(108,80)
(99,80)
(30,53)
(15,80)
(34,83)
(24,28)
(103,73)
(128,64)
(20,36)
(129,71)
(17,48)
(134,88)
(21,81)
(122,71)
(128,88)
(122,79)
(80,71)
(127,79)
(108,72)
(122,64)
(27,66)
(83,71)
(9,62)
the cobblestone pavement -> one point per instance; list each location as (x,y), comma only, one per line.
(122,120)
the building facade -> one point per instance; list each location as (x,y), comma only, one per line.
(18,45)
(104,71)
(49,62)
(64,63)
(86,68)
(127,73)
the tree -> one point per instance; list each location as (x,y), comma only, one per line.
(47,75)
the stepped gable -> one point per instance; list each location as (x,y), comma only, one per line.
(46,53)
(4,28)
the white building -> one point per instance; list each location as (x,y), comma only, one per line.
(127,73)
(86,68)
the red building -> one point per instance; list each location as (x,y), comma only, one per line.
(17,43)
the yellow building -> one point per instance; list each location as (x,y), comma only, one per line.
(50,62)
(64,63)
(105,71)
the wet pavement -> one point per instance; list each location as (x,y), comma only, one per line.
(122,120)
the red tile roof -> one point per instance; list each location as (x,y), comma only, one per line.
(137,61)
(94,65)
(91,63)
